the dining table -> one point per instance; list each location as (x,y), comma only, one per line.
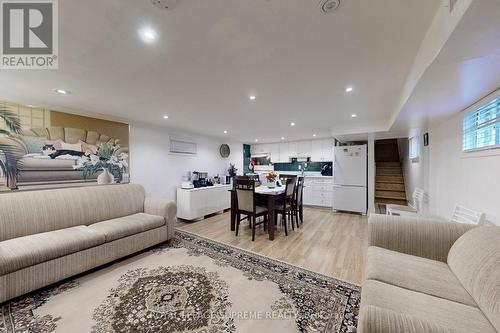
(270,194)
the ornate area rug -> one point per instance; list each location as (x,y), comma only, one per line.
(192,285)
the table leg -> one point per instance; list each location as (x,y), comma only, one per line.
(233,212)
(270,209)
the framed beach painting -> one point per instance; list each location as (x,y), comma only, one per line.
(42,148)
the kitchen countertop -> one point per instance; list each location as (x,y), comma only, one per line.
(307,175)
(204,188)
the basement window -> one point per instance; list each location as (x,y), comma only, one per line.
(481,128)
(414,148)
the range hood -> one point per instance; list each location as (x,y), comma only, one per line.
(259,155)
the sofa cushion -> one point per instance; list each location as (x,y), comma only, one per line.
(32,212)
(128,225)
(475,260)
(415,273)
(443,313)
(373,319)
(18,253)
(42,163)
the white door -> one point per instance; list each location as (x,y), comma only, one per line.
(349,198)
(350,165)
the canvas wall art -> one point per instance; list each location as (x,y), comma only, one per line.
(41,148)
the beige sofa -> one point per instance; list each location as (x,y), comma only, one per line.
(427,275)
(49,235)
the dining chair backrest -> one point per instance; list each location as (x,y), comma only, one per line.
(290,187)
(299,191)
(245,194)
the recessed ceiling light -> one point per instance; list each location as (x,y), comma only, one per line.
(282,138)
(225,132)
(314,135)
(165,117)
(256,140)
(354,115)
(62,91)
(148,35)
(252,97)
(292,124)
(349,89)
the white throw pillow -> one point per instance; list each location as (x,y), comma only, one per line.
(71,146)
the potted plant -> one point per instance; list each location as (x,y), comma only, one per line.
(106,160)
(271,179)
(10,153)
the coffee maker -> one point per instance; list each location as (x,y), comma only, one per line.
(200,179)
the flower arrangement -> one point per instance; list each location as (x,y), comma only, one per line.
(232,170)
(271,176)
(106,159)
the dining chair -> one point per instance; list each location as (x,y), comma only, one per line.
(285,206)
(245,204)
(297,207)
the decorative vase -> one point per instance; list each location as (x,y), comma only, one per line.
(271,184)
(105,177)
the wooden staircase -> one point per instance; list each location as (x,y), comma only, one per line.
(389,181)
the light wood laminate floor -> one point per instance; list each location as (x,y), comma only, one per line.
(329,243)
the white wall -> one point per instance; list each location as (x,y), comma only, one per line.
(451,177)
(416,173)
(160,172)
(469,179)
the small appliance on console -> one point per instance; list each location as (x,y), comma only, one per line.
(200,179)
(186,181)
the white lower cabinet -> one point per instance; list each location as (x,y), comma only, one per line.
(196,203)
(318,191)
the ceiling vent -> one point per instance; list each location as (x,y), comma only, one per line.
(165,4)
(328,6)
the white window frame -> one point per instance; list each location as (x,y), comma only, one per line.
(414,148)
(472,110)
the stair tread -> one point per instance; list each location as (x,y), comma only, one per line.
(390,194)
(391,201)
(389,179)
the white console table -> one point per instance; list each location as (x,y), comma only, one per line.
(197,202)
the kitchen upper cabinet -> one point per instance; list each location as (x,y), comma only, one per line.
(322,150)
(274,152)
(284,156)
(328,150)
(316,150)
(293,149)
(304,148)
(259,149)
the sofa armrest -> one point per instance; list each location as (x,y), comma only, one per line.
(373,319)
(418,236)
(165,208)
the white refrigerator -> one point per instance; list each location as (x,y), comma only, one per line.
(350,178)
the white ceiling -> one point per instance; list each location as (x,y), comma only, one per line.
(211,55)
(466,69)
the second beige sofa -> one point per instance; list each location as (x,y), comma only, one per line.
(427,275)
